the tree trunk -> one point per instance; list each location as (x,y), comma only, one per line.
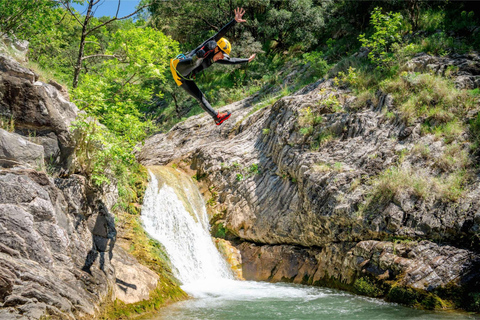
(81,50)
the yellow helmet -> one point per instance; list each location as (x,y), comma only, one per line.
(224,45)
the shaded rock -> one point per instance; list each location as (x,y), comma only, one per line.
(423,266)
(42,250)
(464,68)
(37,107)
(6,286)
(12,68)
(51,149)
(14,150)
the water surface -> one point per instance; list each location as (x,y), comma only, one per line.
(248,300)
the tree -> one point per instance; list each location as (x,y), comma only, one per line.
(116,91)
(87,30)
(16,16)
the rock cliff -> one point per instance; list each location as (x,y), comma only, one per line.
(58,258)
(299,205)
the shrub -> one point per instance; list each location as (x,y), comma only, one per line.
(475,132)
(396,180)
(317,63)
(387,31)
(7,123)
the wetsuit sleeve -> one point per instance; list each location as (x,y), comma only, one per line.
(228,60)
(224,30)
(216,37)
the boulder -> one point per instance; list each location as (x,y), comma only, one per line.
(37,107)
(15,150)
(12,68)
(465,69)
(134,282)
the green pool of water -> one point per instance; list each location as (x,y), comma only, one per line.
(248,300)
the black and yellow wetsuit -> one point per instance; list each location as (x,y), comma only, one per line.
(184,70)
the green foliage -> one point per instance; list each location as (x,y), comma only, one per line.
(475,301)
(403,295)
(475,132)
(254,169)
(317,63)
(432,97)
(118,90)
(387,31)
(366,287)
(219,230)
(101,156)
(24,18)
(349,78)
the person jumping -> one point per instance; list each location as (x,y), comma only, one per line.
(213,50)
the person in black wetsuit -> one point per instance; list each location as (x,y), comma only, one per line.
(213,50)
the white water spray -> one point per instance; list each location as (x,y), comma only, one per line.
(174,213)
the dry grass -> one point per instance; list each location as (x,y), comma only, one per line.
(429,96)
(7,123)
(395,181)
(454,158)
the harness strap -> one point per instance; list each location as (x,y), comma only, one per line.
(177,76)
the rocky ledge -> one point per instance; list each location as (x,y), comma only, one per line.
(299,206)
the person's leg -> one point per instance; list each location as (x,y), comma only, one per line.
(195,92)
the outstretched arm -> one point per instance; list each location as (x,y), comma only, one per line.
(228,60)
(239,12)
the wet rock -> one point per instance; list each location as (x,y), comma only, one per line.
(232,256)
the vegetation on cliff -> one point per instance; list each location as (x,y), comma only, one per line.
(362,46)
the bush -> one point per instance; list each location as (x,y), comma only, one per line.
(317,63)
(387,31)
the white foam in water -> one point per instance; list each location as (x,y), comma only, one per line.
(197,262)
(187,242)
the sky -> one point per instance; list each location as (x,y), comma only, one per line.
(109,7)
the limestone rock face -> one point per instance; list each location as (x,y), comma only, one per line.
(42,250)
(134,281)
(299,196)
(57,250)
(424,265)
(464,68)
(38,109)
(15,150)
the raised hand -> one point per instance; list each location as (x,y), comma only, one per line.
(239,12)
(252,57)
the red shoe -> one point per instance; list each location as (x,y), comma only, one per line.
(222,117)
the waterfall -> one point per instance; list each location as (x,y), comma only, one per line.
(174,213)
